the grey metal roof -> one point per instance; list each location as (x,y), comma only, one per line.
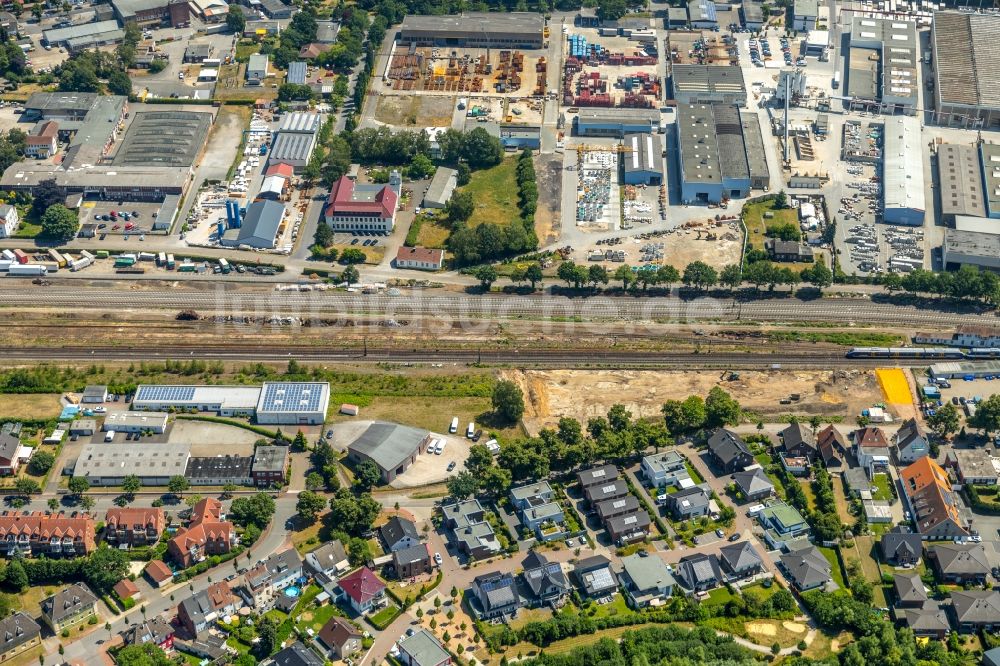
(296,73)
(300,121)
(474,24)
(753,137)
(961,182)
(292,146)
(388,444)
(699,147)
(442,185)
(966,50)
(646,154)
(258,62)
(261,222)
(87,30)
(115,460)
(724,79)
(732,152)
(163,138)
(423,649)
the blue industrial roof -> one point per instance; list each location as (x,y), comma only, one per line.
(291,397)
(164,393)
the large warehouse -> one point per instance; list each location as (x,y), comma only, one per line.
(989,162)
(390,446)
(296,140)
(961,182)
(293,403)
(642,164)
(712,153)
(967,79)
(903,172)
(882,64)
(709,84)
(512,30)
(108,464)
(616,122)
(973,248)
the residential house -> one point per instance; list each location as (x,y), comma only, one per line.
(10,446)
(420,258)
(522,496)
(9,220)
(133,526)
(270,464)
(667,469)
(782,524)
(699,572)
(18,634)
(158,573)
(628,528)
(201,609)
(728,451)
(788,251)
(689,503)
(399,534)
(936,509)
(856,482)
(871,449)
(646,581)
(798,441)
(928,619)
(595,576)
(909,589)
(910,442)
(69,607)
(546,582)
(602,492)
(740,560)
(43,142)
(412,561)
(467,528)
(422,649)
(265,582)
(806,568)
(977,466)
(295,654)
(831,447)
(157,631)
(329,560)
(540,513)
(496,595)
(340,637)
(40,533)
(597,475)
(976,610)
(126,589)
(959,563)
(365,592)
(754,484)
(901,546)
(207,534)
(617,507)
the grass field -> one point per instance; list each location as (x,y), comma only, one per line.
(836,572)
(495,193)
(27,230)
(34,406)
(432,234)
(315,618)
(756,224)
(894,386)
(880,487)
(807,490)
(431,413)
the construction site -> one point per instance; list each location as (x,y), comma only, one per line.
(611,75)
(454,70)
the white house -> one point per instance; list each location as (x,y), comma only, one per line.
(420,258)
(9,221)
(910,442)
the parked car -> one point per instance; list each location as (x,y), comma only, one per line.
(437,559)
(735,537)
(451,465)
(719,533)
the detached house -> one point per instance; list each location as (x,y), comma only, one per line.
(646,581)
(69,607)
(782,525)
(18,634)
(871,449)
(699,572)
(901,546)
(329,560)
(496,594)
(975,610)
(806,567)
(341,637)
(666,470)
(467,528)
(399,534)
(910,442)
(960,563)
(545,580)
(831,447)
(689,503)
(364,591)
(540,513)
(740,560)
(595,576)
(265,582)
(798,448)
(728,451)
(200,610)
(754,484)
(412,561)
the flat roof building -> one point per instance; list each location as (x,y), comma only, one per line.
(164,138)
(961,181)
(259,227)
(903,172)
(135,422)
(709,84)
(293,403)
(442,186)
(223,400)
(753,138)
(703,14)
(643,163)
(712,153)
(173,13)
(108,464)
(752,15)
(520,30)
(973,248)
(616,122)
(219,470)
(891,46)
(967,80)
(805,13)
(989,158)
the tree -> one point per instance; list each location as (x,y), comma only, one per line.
(367,475)
(59,223)
(350,275)
(53,504)
(463,485)
(597,274)
(819,275)
(267,633)
(324,235)
(87,502)
(572,274)
(721,409)
(300,442)
(479,460)
(131,484)
(987,415)
(41,462)
(353,515)
(358,551)
(119,83)
(26,486)
(482,150)
(235,20)
(420,167)
(460,206)
(666,275)
(15,576)
(192,500)
(945,420)
(143,654)
(700,275)
(508,401)
(314,481)
(254,510)
(78,485)
(781,200)
(731,276)
(178,484)
(105,567)
(487,275)
(611,10)
(309,504)
(353,255)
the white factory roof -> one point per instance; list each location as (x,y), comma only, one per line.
(229,397)
(903,164)
(300,122)
(294,397)
(114,460)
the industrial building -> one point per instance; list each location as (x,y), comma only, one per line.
(353,207)
(296,73)
(753,137)
(519,137)
(752,15)
(709,84)
(210,11)
(966,76)
(513,30)
(703,15)
(79,37)
(642,164)
(108,464)
(293,403)
(805,13)
(972,248)
(221,400)
(989,160)
(155,422)
(296,140)
(616,122)
(961,182)
(882,64)
(256,69)
(903,172)
(164,138)
(712,153)
(258,228)
(173,13)
(219,470)
(391,446)
(441,187)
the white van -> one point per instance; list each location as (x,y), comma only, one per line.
(454,426)
(109,436)
(440,446)
(435,447)
(471,430)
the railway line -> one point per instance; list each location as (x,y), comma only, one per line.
(415,306)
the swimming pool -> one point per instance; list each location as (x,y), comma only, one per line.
(292,591)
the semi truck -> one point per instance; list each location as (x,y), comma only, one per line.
(27,270)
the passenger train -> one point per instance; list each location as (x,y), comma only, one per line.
(929,353)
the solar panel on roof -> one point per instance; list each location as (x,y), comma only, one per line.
(165,393)
(597,473)
(291,397)
(629,520)
(600,579)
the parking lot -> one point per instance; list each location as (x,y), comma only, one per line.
(120,217)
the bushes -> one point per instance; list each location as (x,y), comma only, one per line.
(977,498)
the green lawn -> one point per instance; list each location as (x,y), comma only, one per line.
(695,476)
(385,616)
(27,230)
(720,596)
(315,618)
(756,224)
(880,487)
(835,571)
(495,193)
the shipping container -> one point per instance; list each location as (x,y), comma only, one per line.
(102,254)
(186,267)
(27,270)
(57,258)
(146,256)
(81,263)
(224,265)
(161,259)
(5,265)
(21,257)
(124,260)
(8,255)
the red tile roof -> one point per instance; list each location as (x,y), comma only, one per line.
(362,585)
(280,169)
(871,436)
(135,518)
(158,571)
(125,589)
(341,200)
(424,254)
(44,527)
